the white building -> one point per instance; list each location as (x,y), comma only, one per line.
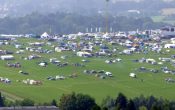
(168,31)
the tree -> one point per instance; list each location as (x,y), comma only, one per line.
(54,103)
(1,101)
(85,102)
(142,108)
(140,101)
(27,102)
(155,107)
(66,23)
(172,105)
(96,107)
(68,102)
(121,101)
(76,102)
(108,103)
(17,103)
(130,105)
(150,101)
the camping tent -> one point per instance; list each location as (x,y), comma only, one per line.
(133,75)
(7,57)
(45,35)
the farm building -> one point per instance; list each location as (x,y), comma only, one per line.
(7,57)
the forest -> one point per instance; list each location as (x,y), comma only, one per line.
(68,23)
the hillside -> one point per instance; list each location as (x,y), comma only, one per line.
(17,8)
(63,23)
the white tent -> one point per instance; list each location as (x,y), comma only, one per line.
(7,57)
(169,46)
(133,75)
(109,74)
(42,64)
(45,35)
(84,54)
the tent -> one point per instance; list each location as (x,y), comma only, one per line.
(45,35)
(133,75)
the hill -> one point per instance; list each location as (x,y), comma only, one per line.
(64,23)
(18,8)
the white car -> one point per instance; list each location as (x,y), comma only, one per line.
(109,74)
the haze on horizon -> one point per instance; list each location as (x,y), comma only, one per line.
(22,7)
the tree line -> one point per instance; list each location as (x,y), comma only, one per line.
(78,101)
(66,23)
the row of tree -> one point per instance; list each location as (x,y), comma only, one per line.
(75,101)
(66,23)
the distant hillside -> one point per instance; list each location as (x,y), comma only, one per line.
(18,8)
(168,11)
(64,23)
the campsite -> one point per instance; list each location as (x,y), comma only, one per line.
(87,65)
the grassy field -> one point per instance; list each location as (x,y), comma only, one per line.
(153,83)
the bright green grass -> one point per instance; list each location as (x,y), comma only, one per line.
(153,84)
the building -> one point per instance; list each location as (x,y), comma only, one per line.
(168,32)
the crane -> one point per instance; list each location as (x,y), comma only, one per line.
(107,16)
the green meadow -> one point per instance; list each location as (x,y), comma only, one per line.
(152,84)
